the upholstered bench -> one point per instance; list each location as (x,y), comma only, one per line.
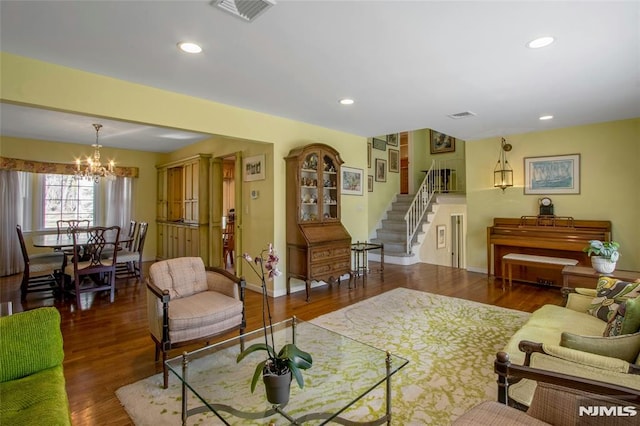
(511,259)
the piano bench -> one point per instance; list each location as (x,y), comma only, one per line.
(532,260)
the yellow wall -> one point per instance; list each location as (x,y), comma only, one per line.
(383,192)
(609,187)
(35,83)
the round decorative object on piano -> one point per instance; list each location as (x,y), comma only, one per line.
(546,206)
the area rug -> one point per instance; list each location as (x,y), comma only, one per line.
(450,344)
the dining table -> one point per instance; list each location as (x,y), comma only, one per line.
(58,241)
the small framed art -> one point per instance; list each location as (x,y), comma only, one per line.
(381,170)
(441,143)
(392,139)
(394,160)
(441,236)
(253,168)
(380,144)
(370,183)
(352,180)
(369,155)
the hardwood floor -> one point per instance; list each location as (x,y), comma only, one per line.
(108,345)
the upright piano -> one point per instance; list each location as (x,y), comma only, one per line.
(554,236)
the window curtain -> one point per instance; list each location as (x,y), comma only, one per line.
(119,202)
(12,201)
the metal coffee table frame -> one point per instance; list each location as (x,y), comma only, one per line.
(180,367)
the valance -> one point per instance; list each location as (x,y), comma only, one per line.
(55,168)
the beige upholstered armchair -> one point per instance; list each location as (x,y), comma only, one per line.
(187,303)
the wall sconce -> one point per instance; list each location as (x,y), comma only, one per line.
(503,173)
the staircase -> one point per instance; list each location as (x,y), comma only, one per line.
(393,233)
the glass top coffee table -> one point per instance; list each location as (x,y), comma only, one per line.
(344,371)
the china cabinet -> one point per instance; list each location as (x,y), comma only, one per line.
(318,245)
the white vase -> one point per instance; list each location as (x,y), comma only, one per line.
(602,265)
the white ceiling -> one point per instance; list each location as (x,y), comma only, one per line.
(407,64)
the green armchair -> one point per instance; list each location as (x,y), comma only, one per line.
(32,385)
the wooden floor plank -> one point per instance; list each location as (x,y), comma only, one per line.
(107,345)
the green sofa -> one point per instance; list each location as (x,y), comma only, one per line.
(543,342)
(32,385)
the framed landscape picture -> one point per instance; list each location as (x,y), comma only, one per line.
(559,174)
(351,181)
(392,139)
(441,143)
(381,170)
(253,168)
(394,160)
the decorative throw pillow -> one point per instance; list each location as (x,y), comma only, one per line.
(626,319)
(609,293)
(625,347)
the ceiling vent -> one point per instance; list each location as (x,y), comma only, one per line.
(247,10)
(463,114)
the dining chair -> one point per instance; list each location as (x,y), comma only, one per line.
(42,272)
(130,261)
(66,227)
(133,228)
(228,244)
(91,269)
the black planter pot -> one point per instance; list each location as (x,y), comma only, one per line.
(277,387)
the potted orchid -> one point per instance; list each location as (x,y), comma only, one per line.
(279,367)
(604,255)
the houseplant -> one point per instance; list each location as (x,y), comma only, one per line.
(604,255)
(277,370)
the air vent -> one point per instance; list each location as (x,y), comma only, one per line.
(463,114)
(247,10)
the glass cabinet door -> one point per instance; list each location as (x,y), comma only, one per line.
(309,188)
(329,189)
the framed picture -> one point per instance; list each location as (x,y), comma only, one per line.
(558,174)
(351,181)
(380,144)
(441,236)
(394,160)
(392,139)
(253,168)
(442,143)
(370,183)
(381,170)
(369,155)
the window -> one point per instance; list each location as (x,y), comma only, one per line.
(67,198)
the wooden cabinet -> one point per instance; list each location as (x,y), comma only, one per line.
(183,208)
(162,205)
(318,245)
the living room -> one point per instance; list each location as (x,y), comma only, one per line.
(609,153)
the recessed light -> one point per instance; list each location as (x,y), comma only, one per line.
(546,117)
(346,101)
(540,42)
(189,47)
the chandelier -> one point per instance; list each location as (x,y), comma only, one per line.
(94,170)
(503,173)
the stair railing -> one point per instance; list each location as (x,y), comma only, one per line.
(419,205)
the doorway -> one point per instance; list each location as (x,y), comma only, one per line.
(228,213)
(404,162)
(457,241)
